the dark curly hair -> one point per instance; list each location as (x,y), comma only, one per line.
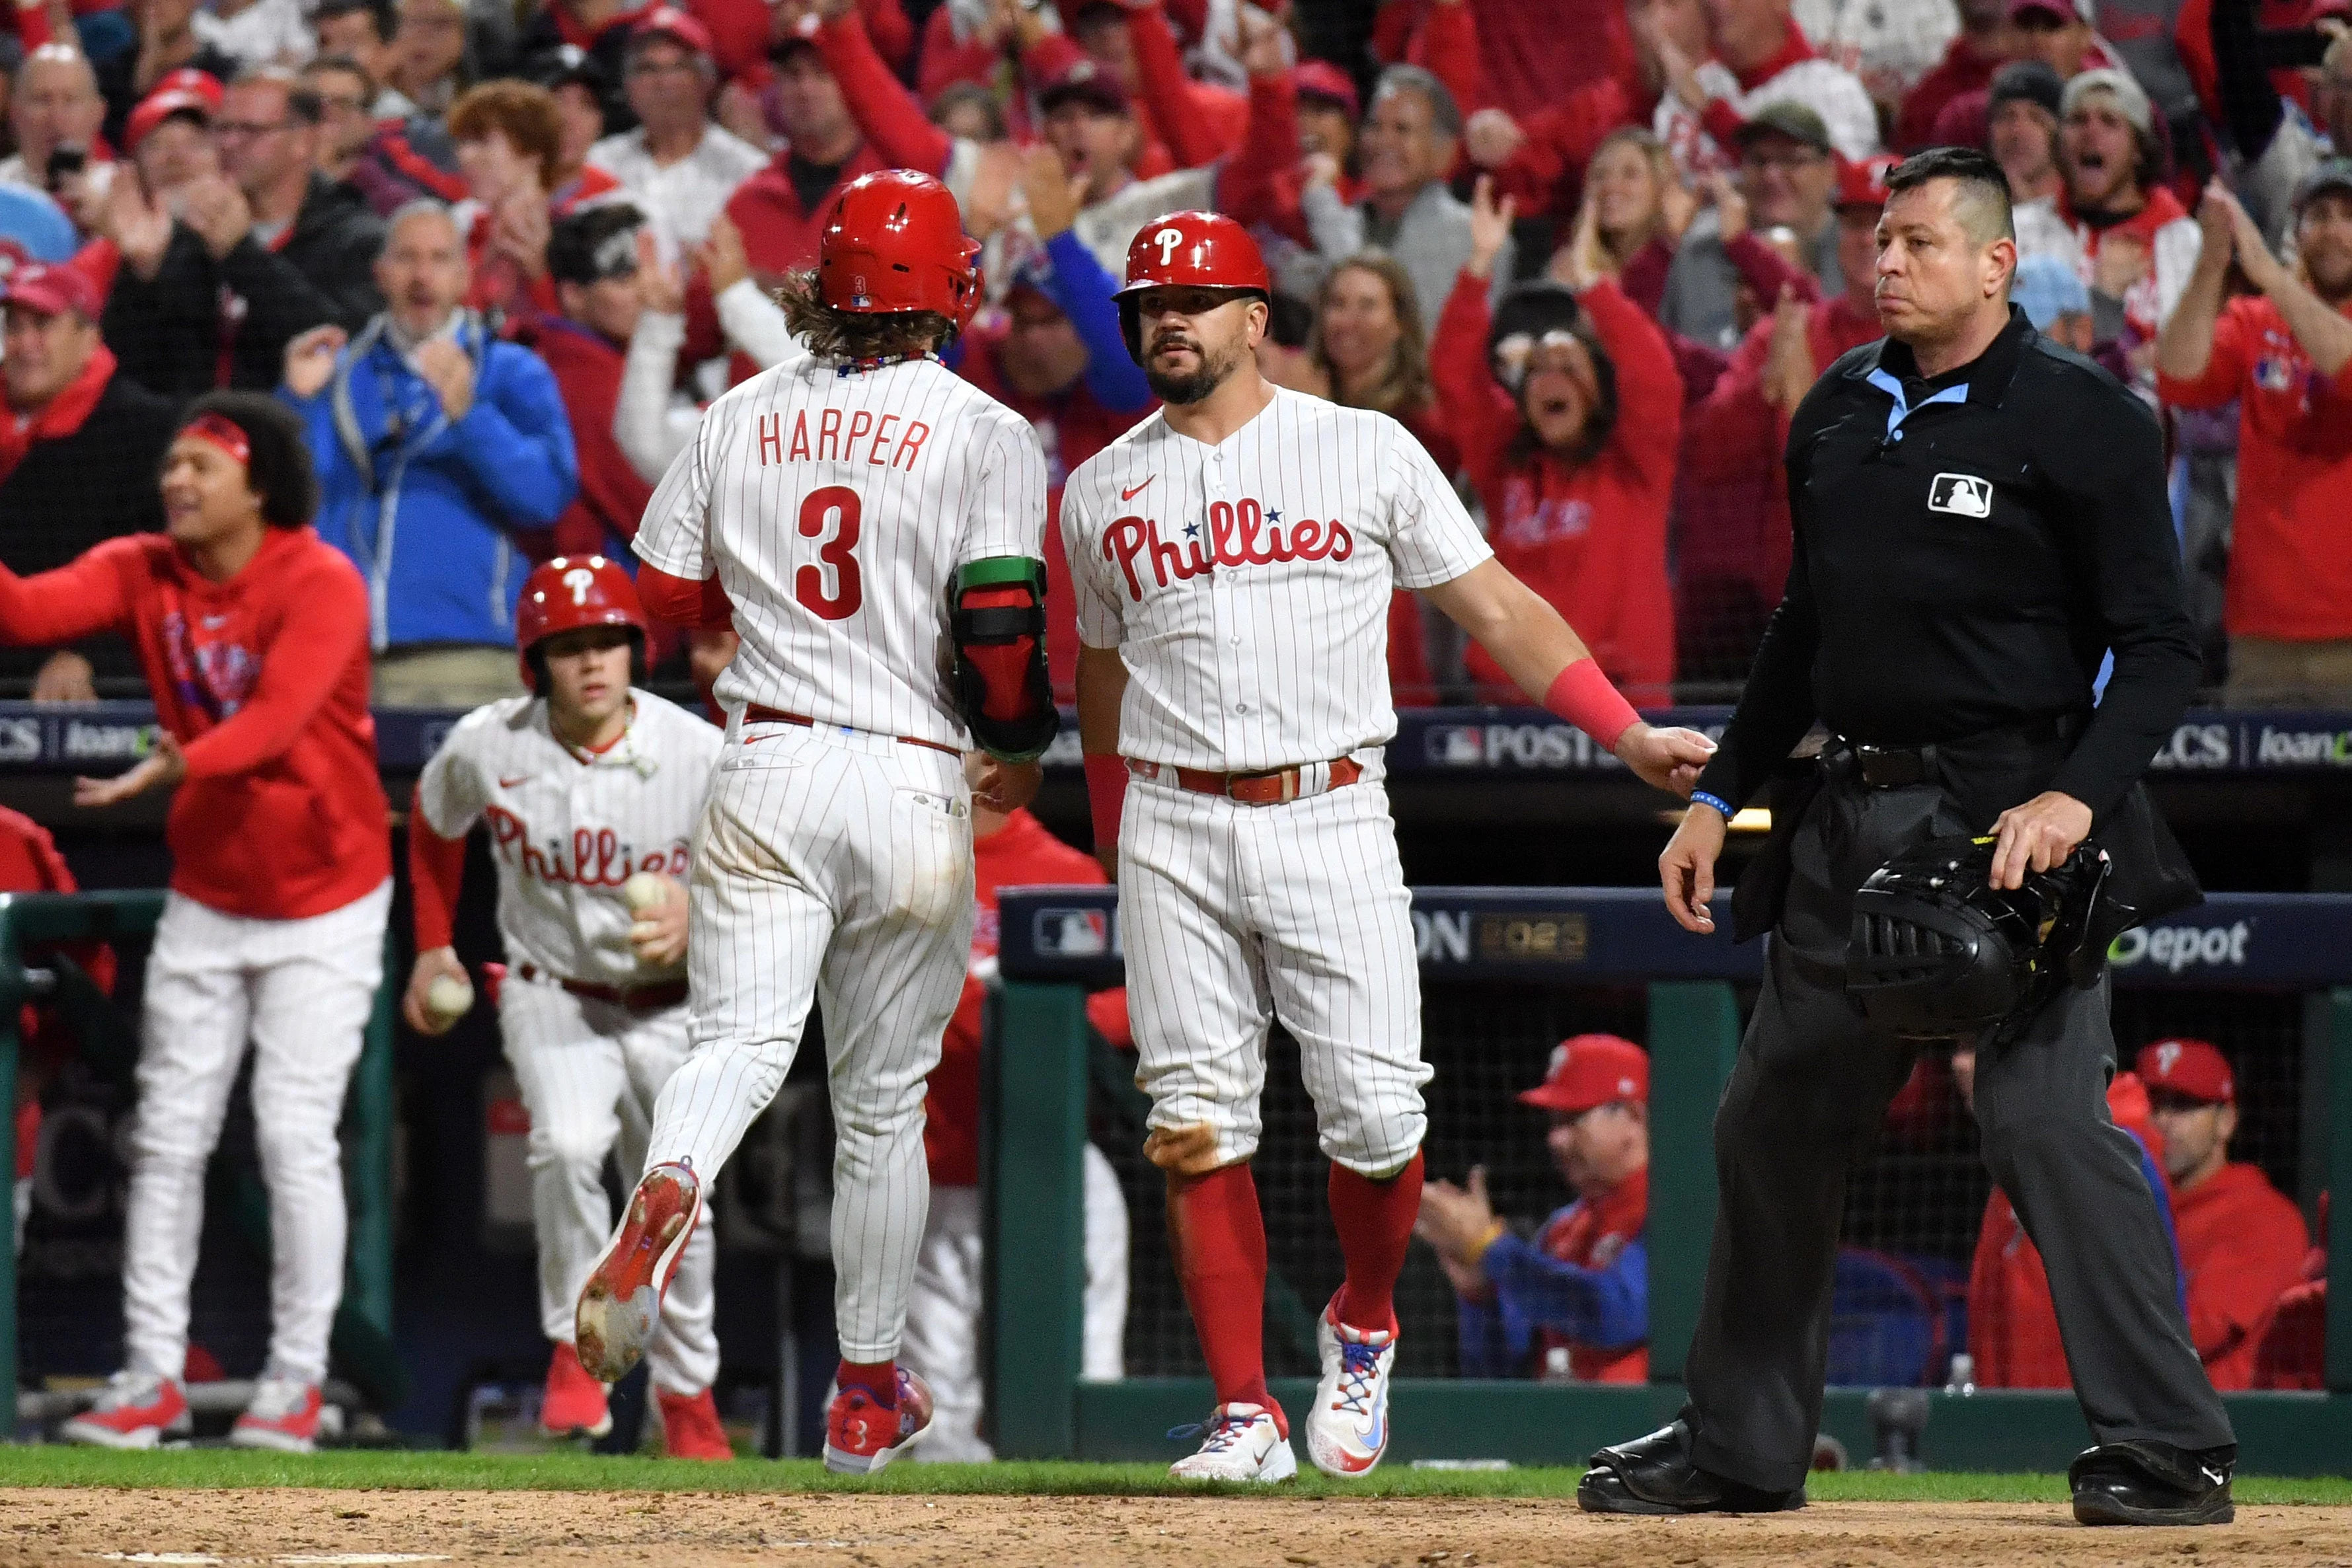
(278,468)
(833,334)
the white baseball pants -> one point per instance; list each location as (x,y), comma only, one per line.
(1233,915)
(832,866)
(945,1307)
(301,991)
(590,1072)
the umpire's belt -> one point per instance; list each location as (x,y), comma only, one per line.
(1900,767)
(650,998)
(755,714)
(1271,788)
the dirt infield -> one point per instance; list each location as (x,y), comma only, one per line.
(527,1529)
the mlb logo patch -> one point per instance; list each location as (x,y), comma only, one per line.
(1961,495)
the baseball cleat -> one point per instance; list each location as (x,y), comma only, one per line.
(621,1302)
(861,1438)
(284,1416)
(574,1404)
(134,1410)
(690,1428)
(1348,1428)
(1238,1443)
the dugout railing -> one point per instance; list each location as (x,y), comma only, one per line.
(32,927)
(1044,1070)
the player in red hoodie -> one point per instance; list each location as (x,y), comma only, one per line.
(2242,1240)
(253,634)
(1568,411)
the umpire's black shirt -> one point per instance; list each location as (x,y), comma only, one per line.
(1968,549)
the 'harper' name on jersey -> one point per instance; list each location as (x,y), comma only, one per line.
(885,447)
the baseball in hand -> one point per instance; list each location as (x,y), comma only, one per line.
(449,997)
(644,892)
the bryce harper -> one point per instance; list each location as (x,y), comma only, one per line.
(1234,559)
(592,790)
(253,636)
(875,523)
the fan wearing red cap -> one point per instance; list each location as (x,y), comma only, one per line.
(591,788)
(679,167)
(79,451)
(2242,1240)
(875,522)
(169,134)
(1575,1300)
(1233,558)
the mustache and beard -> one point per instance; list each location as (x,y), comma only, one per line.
(1190,388)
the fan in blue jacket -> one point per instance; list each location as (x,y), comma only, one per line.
(435,444)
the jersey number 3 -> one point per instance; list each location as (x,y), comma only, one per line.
(808,584)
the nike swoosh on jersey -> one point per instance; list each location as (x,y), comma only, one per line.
(1131,495)
(510,783)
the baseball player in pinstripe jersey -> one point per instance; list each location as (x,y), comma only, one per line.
(871,523)
(1233,558)
(591,790)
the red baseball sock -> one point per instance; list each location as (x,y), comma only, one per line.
(878,1378)
(1374,1219)
(1218,1237)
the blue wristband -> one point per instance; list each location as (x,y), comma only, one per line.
(1701,798)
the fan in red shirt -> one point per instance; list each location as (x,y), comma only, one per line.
(1733,539)
(2286,355)
(1542,161)
(2012,1321)
(510,137)
(1575,1302)
(944,1308)
(253,636)
(2242,1240)
(1568,409)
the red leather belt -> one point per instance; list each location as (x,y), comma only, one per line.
(754,714)
(1272,789)
(650,998)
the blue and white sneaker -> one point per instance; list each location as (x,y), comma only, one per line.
(1347,1430)
(1238,1443)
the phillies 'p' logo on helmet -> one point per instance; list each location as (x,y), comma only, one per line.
(895,242)
(1190,250)
(571,591)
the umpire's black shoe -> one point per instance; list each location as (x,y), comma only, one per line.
(2152,1484)
(1654,1475)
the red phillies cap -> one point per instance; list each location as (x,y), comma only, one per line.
(670,22)
(2188,1068)
(1321,79)
(1863,184)
(1083,81)
(47,290)
(160,106)
(1588,1069)
(187,79)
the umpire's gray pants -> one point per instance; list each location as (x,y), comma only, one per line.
(1806,1097)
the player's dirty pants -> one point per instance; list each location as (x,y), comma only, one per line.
(834,866)
(1806,1098)
(1235,916)
(301,991)
(590,1072)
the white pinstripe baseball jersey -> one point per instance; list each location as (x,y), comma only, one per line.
(1247,585)
(567,829)
(834,505)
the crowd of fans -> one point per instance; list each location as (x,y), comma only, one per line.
(1591,252)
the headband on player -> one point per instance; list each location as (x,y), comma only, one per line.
(220,433)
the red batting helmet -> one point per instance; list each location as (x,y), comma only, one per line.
(895,242)
(1194,250)
(1189,250)
(569,592)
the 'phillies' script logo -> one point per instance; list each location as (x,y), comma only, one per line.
(1239,534)
(597,856)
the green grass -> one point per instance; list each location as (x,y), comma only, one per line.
(356,1469)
